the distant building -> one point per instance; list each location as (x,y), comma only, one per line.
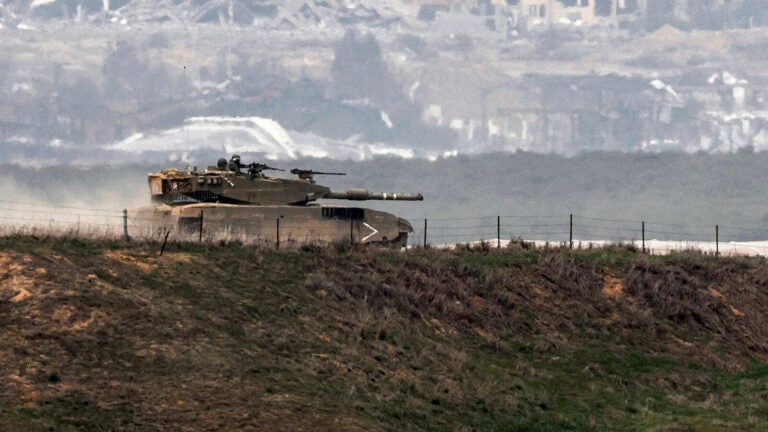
(574,12)
(649,14)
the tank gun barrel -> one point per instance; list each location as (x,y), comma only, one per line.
(365,195)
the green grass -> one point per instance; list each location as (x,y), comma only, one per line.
(70,412)
(498,259)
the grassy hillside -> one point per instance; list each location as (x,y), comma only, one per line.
(100,335)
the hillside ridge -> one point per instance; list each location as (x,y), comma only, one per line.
(109,335)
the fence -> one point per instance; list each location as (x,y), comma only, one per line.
(574,231)
(32,218)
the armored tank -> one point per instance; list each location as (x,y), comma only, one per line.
(234,201)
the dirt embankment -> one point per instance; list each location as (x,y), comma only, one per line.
(108,336)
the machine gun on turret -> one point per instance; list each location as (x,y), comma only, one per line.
(255,169)
(309,175)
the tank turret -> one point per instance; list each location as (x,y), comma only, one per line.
(233,186)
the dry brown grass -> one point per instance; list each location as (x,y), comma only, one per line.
(715,301)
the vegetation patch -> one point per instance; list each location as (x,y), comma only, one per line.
(114,336)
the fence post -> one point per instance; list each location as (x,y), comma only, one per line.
(570,233)
(717,240)
(351,230)
(277,239)
(165,240)
(425,233)
(125,224)
(201,226)
(498,232)
(643,236)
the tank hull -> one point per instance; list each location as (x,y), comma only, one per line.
(279,226)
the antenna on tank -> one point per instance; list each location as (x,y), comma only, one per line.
(187,160)
(186,155)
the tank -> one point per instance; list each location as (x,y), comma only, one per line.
(234,201)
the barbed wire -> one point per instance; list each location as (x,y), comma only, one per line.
(463,218)
(22,221)
(58,213)
(531,225)
(58,207)
(575,217)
